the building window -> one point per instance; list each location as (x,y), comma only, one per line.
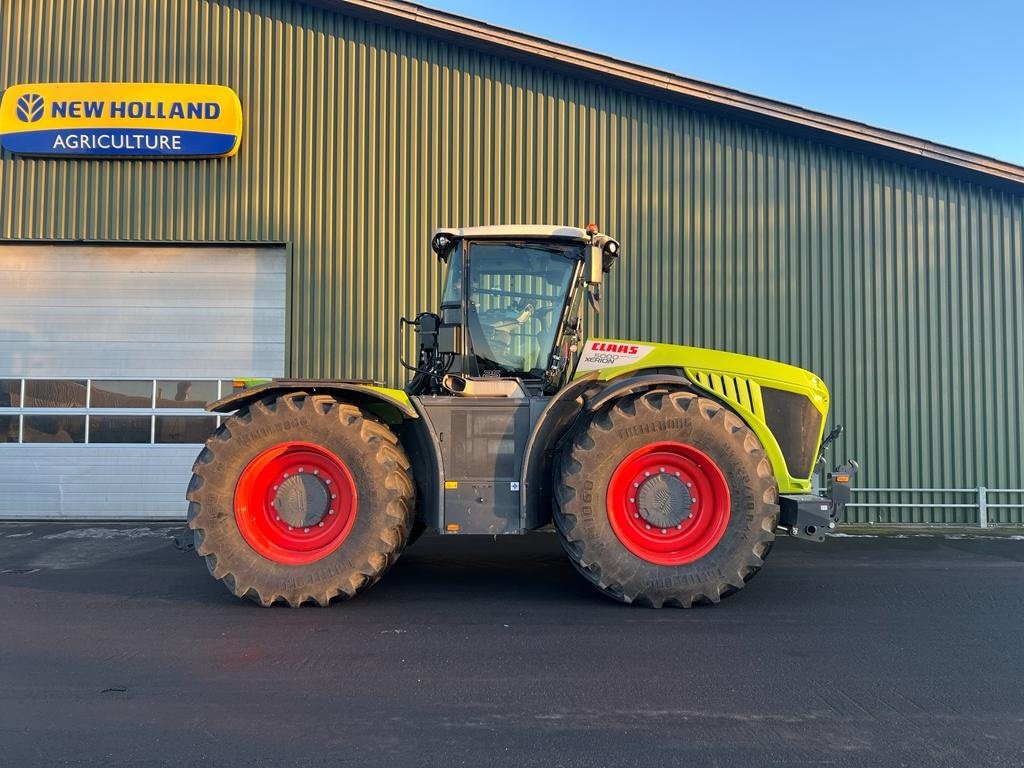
(9,429)
(184,429)
(120,429)
(121,394)
(65,428)
(109,411)
(10,393)
(55,393)
(187,394)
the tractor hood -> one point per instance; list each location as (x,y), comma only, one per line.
(786,406)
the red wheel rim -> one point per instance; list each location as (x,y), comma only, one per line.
(295,503)
(668,503)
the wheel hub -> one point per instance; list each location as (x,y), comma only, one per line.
(668,503)
(663,500)
(295,503)
(302,500)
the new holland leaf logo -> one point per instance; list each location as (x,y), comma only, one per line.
(30,108)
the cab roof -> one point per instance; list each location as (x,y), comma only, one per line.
(514,232)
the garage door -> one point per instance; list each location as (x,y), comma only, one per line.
(108,355)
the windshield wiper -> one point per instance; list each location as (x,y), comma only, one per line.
(536,247)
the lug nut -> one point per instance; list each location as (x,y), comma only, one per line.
(662,469)
(632,501)
(328,481)
(302,469)
(289,527)
(286,474)
(316,471)
(320,524)
(647,474)
(647,526)
(305,530)
(663,530)
(688,485)
(334,495)
(677,474)
(636,485)
(636,514)
(330,511)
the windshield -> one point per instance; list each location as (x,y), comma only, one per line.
(516,296)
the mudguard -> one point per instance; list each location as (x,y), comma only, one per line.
(391,405)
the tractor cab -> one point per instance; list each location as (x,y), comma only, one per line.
(510,311)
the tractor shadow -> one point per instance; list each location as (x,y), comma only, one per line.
(436,575)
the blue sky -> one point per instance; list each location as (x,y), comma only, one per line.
(951,72)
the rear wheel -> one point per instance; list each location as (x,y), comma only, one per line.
(300,499)
(666,499)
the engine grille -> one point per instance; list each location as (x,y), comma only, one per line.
(796,424)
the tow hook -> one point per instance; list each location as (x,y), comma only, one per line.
(812,516)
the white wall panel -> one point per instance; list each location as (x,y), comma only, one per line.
(117,482)
(91,311)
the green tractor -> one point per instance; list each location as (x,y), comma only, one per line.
(666,470)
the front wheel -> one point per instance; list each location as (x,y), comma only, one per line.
(300,499)
(666,498)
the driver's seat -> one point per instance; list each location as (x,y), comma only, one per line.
(478,345)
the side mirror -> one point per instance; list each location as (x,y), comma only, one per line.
(609,253)
(442,244)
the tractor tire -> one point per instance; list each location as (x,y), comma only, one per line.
(300,499)
(666,499)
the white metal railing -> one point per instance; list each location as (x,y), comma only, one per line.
(979,499)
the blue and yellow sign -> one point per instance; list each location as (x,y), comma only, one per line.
(121,120)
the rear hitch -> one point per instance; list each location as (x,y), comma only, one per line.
(811,516)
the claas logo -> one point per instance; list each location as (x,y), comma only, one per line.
(623,349)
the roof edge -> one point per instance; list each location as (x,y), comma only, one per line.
(559,55)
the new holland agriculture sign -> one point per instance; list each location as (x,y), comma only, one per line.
(121,120)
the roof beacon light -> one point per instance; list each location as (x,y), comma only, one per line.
(591,229)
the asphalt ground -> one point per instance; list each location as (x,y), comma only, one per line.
(116,649)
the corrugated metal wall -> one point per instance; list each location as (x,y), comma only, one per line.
(902,288)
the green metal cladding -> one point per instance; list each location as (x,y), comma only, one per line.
(900,287)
